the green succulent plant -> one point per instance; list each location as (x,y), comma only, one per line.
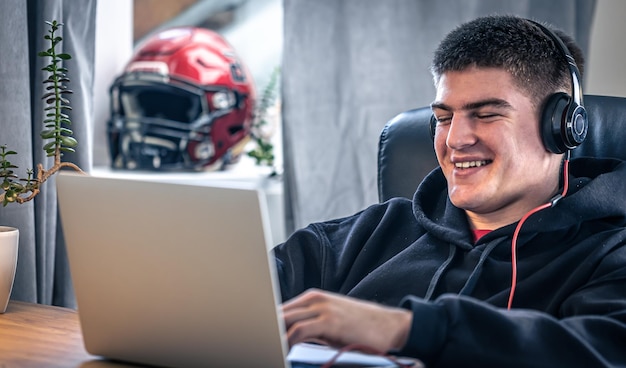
(56,133)
(56,122)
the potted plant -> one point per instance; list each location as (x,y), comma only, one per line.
(58,139)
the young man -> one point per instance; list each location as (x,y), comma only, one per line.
(432,278)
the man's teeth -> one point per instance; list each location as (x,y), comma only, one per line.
(468,164)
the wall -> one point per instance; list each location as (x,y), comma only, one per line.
(606,74)
(114,47)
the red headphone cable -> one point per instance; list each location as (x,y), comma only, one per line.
(552,203)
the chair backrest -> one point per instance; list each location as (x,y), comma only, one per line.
(406,154)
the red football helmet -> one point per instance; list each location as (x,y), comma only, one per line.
(184,101)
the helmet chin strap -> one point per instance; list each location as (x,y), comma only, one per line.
(551,203)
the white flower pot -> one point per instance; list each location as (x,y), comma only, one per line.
(9,240)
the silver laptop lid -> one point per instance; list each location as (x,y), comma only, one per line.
(172,274)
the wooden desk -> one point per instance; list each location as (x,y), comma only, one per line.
(38,336)
(35,335)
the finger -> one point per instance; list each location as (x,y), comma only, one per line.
(293,315)
(305,331)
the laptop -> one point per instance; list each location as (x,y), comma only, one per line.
(170,274)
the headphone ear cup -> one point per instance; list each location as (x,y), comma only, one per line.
(552,122)
(433,126)
(576,127)
(563,123)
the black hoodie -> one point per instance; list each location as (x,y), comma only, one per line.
(569,307)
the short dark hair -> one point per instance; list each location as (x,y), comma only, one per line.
(514,44)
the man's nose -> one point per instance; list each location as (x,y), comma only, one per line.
(461,132)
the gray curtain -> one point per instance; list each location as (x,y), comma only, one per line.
(351,65)
(42,272)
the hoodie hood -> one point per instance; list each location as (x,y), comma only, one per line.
(593,184)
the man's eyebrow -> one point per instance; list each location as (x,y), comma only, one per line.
(491,102)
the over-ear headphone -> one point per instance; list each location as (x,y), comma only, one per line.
(564,120)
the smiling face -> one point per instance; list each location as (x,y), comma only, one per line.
(489,147)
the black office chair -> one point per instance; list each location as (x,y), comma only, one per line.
(406,154)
